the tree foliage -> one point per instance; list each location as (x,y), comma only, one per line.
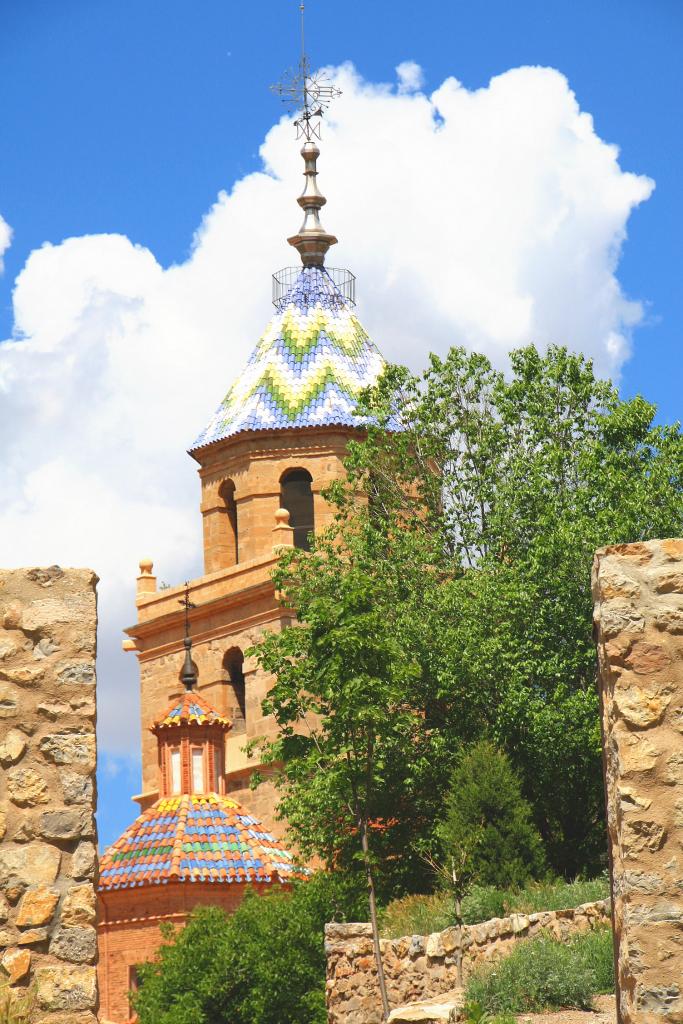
(264,964)
(451,601)
(486,813)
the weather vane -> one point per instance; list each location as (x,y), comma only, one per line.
(307,94)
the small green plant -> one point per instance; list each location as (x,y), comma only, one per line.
(420,915)
(15,1007)
(474,1013)
(544,974)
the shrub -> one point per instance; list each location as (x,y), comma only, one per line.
(560,895)
(264,964)
(487,815)
(544,974)
(420,915)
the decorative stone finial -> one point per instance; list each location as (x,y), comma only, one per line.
(312,241)
(147,581)
(188,676)
(283,534)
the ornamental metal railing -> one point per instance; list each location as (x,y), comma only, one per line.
(343,280)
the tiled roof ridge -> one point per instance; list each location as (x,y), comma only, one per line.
(177,852)
(196,837)
(172,717)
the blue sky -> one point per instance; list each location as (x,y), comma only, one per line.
(130,117)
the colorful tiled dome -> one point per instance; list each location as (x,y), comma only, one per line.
(196,838)
(307,370)
(191,707)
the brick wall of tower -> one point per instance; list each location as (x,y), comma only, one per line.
(235,604)
(128,932)
(255,465)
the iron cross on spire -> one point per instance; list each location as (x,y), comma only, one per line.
(188,675)
(307,94)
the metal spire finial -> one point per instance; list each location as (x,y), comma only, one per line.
(310,95)
(188,675)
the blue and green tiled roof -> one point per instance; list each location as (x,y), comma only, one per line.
(196,838)
(307,370)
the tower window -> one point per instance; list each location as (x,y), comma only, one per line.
(230,532)
(233,666)
(296,496)
(217,768)
(197,770)
(176,784)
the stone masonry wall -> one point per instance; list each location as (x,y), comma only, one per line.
(638,593)
(48,859)
(423,966)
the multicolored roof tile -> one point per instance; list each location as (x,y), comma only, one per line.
(190,708)
(196,838)
(307,370)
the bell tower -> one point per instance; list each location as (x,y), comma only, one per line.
(277,439)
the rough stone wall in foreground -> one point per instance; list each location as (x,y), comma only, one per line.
(638,593)
(422,966)
(48,841)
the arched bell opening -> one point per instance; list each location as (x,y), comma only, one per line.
(229,525)
(233,675)
(296,495)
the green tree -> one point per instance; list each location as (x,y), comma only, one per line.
(264,964)
(452,602)
(517,479)
(487,815)
(355,755)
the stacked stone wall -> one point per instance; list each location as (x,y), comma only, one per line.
(423,966)
(48,860)
(638,592)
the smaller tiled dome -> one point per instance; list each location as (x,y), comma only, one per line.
(196,838)
(190,708)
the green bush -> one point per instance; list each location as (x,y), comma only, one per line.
(420,915)
(487,816)
(264,964)
(544,974)
(416,915)
(561,895)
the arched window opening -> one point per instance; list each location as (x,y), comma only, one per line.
(175,770)
(198,770)
(230,537)
(233,667)
(296,496)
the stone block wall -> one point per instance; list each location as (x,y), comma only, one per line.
(423,966)
(48,858)
(638,593)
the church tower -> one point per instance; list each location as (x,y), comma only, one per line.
(194,846)
(276,441)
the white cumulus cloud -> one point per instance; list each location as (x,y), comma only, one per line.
(5,239)
(489,218)
(410,76)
